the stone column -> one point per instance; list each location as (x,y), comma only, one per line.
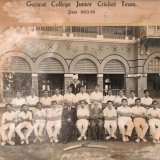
(35,83)
(67,80)
(1,88)
(142,85)
(100,81)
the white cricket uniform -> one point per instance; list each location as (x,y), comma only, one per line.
(154,123)
(39,124)
(82,124)
(56,123)
(119,99)
(125,121)
(70,97)
(25,124)
(10,126)
(17,103)
(109,98)
(58,98)
(140,124)
(96,96)
(131,101)
(32,102)
(84,96)
(46,101)
(110,125)
(147,101)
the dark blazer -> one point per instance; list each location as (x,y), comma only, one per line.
(76,89)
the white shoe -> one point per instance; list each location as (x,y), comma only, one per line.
(11,143)
(85,138)
(124,139)
(144,140)
(79,138)
(115,137)
(51,140)
(127,139)
(35,140)
(3,143)
(108,137)
(56,140)
(137,140)
(27,141)
(40,139)
(154,141)
(22,141)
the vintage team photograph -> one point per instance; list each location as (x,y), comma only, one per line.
(79,92)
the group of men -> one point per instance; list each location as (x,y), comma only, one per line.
(61,115)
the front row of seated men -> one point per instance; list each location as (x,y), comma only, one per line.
(62,121)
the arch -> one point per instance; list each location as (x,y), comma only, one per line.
(118,58)
(16,54)
(148,60)
(54,56)
(91,58)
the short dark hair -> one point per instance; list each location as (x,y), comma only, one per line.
(132,91)
(53,101)
(137,99)
(24,105)
(96,85)
(109,101)
(8,104)
(146,90)
(45,91)
(39,103)
(124,99)
(155,102)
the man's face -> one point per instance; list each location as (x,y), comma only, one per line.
(53,104)
(39,105)
(132,94)
(138,102)
(96,88)
(69,90)
(155,105)
(25,108)
(82,90)
(18,95)
(9,108)
(110,105)
(82,104)
(124,102)
(109,92)
(45,94)
(121,93)
(146,94)
(32,93)
(75,80)
(57,91)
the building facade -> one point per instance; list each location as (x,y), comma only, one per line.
(118,57)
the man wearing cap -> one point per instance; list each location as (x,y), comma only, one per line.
(110,120)
(46,100)
(131,100)
(54,118)
(154,121)
(125,120)
(75,85)
(96,96)
(96,121)
(25,121)
(8,124)
(82,122)
(146,101)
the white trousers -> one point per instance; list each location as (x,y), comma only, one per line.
(82,125)
(39,127)
(125,121)
(23,125)
(53,124)
(154,125)
(141,127)
(110,126)
(11,129)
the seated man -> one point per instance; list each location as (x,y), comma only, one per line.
(58,97)
(141,126)
(154,121)
(68,122)
(110,123)
(82,122)
(39,122)
(25,121)
(46,100)
(54,117)
(125,120)
(96,122)
(8,124)
(146,101)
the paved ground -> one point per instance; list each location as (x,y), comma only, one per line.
(115,151)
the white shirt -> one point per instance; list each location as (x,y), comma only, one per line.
(131,100)
(96,96)
(32,100)
(18,101)
(109,98)
(40,113)
(84,96)
(24,115)
(138,110)
(147,101)
(127,110)
(70,97)
(46,101)
(83,111)
(153,112)
(109,113)
(51,112)
(119,99)
(9,116)
(58,99)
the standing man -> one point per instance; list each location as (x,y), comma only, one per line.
(82,122)
(54,118)
(46,100)
(8,124)
(68,122)
(32,100)
(58,97)
(154,121)
(141,126)
(110,122)
(96,96)
(39,122)
(96,122)
(109,97)
(125,120)
(119,98)
(82,96)
(75,85)
(25,121)
(131,100)
(146,101)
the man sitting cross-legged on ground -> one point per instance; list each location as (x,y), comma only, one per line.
(125,120)
(25,121)
(8,124)
(139,115)
(154,121)
(110,123)
(96,122)
(82,122)
(39,122)
(53,126)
